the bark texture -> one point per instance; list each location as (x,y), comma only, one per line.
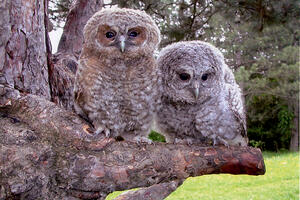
(63,69)
(23,61)
(154,192)
(45,148)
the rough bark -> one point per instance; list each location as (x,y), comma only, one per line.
(23,64)
(154,192)
(63,64)
(62,76)
(45,148)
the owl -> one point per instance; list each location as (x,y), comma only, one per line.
(200,99)
(116,82)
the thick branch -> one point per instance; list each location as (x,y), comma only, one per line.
(60,148)
(154,192)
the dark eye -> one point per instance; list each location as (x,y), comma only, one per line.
(110,34)
(204,77)
(133,34)
(184,76)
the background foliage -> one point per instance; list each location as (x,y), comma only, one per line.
(260,41)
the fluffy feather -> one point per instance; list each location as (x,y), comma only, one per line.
(116,81)
(201,101)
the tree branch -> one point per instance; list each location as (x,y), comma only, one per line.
(58,153)
(154,192)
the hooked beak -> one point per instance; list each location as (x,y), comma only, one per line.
(196,90)
(122,44)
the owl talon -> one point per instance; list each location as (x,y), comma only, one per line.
(102,129)
(187,141)
(98,130)
(140,139)
(107,132)
(219,140)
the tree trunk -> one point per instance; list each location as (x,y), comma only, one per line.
(72,38)
(294,144)
(23,64)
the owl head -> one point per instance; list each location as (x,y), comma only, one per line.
(192,72)
(116,31)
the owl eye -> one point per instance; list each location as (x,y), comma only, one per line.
(204,77)
(110,34)
(133,34)
(184,76)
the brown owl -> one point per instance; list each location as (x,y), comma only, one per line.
(201,101)
(116,82)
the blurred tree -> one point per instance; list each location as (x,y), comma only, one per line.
(58,11)
(259,12)
(269,77)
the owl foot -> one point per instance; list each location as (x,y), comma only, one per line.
(136,138)
(187,141)
(102,129)
(141,139)
(219,140)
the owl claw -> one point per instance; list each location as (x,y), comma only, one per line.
(102,129)
(187,141)
(140,139)
(219,140)
(107,132)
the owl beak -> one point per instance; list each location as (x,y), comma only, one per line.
(122,44)
(196,90)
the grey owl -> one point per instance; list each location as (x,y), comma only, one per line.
(116,81)
(201,101)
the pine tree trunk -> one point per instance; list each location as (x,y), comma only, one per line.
(23,64)
(294,144)
(72,38)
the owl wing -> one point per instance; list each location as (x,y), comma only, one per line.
(84,81)
(79,100)
(236,104)
(237,107)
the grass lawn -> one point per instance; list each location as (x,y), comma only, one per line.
(281,182)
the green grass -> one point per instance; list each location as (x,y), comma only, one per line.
(281,182)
